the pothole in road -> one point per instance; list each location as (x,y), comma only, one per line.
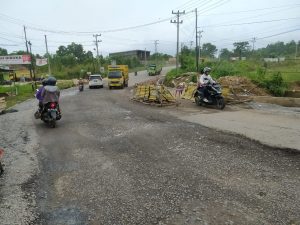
(65,215)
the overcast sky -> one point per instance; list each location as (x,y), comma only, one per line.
(222,21)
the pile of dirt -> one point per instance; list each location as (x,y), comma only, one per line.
(241,86)
(184,78)
(153,81)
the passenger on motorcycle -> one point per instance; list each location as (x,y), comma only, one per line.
(204,81)
(51,92)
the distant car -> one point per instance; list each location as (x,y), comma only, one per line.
(95,81)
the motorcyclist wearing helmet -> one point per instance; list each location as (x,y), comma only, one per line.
(204,80)
(51,92)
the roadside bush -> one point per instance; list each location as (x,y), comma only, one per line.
(220,69)
(194,78)
(172,75)
(275,85)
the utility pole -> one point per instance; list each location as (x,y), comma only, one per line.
(48,56)
(196,49)
(145,56)
(155,44)
(296,52)
(26,42)
(32,66)
(177,22)
(96,42)
(200,36)
(253,40)
(191,44)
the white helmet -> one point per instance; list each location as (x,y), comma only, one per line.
(206,69)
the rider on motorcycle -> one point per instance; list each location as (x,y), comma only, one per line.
(80,81)
(204,80)
(51,92)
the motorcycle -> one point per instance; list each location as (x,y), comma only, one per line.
(215,96)
(51,113)
(80,87)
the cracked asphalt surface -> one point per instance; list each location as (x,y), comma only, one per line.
(114,161)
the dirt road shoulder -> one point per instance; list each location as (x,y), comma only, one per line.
(269,124)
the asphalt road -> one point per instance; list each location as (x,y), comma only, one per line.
(114,161)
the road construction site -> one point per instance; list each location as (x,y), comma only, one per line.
(115,160)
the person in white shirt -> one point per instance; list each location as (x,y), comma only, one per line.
(204,80)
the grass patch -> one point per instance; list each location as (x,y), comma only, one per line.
(276,77)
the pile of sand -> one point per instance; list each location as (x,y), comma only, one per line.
(241,86)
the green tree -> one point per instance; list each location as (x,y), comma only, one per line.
(225,53)
(241,48)
(186,58)
(20,52)
(208,50)
(3,51)
(77,51)
(62,51)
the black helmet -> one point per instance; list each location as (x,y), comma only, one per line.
(44,82)
(51,81)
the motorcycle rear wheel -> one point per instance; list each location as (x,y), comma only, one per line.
(52,123)
(198,101)
(220,103)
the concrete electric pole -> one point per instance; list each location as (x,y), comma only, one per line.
(32,66)
(155,48)
(177,21)
(296,51)
(30,69)
(48,56)
(253,40)
(200,36)
(97,48)
(196,48)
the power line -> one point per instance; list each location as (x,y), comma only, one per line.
(274,35)
(196,4)
(251,10)
(37,28)
(246,23)
(9,40)
(213,6)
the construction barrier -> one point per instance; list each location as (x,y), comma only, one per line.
(189,91)
(153,94)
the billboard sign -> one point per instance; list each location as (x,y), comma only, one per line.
(15,59)
(41,62)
